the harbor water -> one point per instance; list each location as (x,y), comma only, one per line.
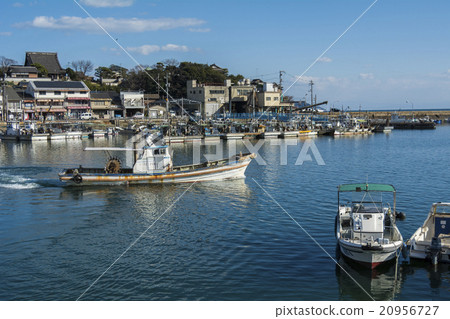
(229,240)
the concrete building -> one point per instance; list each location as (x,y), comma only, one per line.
(212,96)
(60,99)
(268,98)
(242,97)
(132,102)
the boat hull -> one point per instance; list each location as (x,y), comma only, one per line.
(370,257)
(231,170)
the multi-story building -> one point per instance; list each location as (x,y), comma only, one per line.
(212,96)
(132,102)
(27,103)
(12,104)
(60,99)
(242,97)
(106,105)
(268,99)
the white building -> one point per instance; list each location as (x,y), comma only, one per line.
(60,99)
(133,102)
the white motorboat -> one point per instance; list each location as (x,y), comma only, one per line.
(365,226)
(153,164)
(432,240)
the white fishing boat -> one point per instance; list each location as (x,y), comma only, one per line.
(432,240)
(365,226)
(287,134)
(153,164)
(12,131)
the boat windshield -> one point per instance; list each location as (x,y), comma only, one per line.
(366,207)
(443,208)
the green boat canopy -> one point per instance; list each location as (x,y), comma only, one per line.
(366,188)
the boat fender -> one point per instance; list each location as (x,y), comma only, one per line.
(400,215)
(405,251)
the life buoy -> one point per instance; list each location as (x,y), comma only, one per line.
(77,179)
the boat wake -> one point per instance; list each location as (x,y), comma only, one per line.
(19,178)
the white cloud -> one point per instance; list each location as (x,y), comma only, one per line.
(202,30)
(110,24)
(108,3)
(366,76)
(174,47)
(147,49)
(17,5)
(325,59)
(5,34)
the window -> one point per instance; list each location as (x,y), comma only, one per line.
(243,92)
(193,92)
(216,92)
(42,92)
(268,98)
(212,99)
(71,92)
(57,92)
(275,98)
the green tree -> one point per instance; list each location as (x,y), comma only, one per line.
(104,72)
(42,71)
(74,76)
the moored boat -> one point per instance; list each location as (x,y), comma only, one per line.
(365,227)
(153,164)
(432,240)
(12,131)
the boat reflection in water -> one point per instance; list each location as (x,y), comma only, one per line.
(357,282)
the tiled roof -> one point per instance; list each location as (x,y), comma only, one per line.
(11,94)
(100,95)
(22,69)
(48,59)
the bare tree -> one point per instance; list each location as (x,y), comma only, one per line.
(83,66)
(5,63)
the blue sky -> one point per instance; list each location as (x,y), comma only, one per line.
(398,51)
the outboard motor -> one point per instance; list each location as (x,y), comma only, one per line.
(435,250)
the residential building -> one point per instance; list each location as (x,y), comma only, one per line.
(132,102)
(111,82)
(49,60)
(212,96)
(104,104)
(268,99)
(60,99)
(12,106)
(27,104)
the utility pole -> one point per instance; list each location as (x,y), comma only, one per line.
(3,103)
(311,83)
(167,95)
(281,85)
(158,85)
